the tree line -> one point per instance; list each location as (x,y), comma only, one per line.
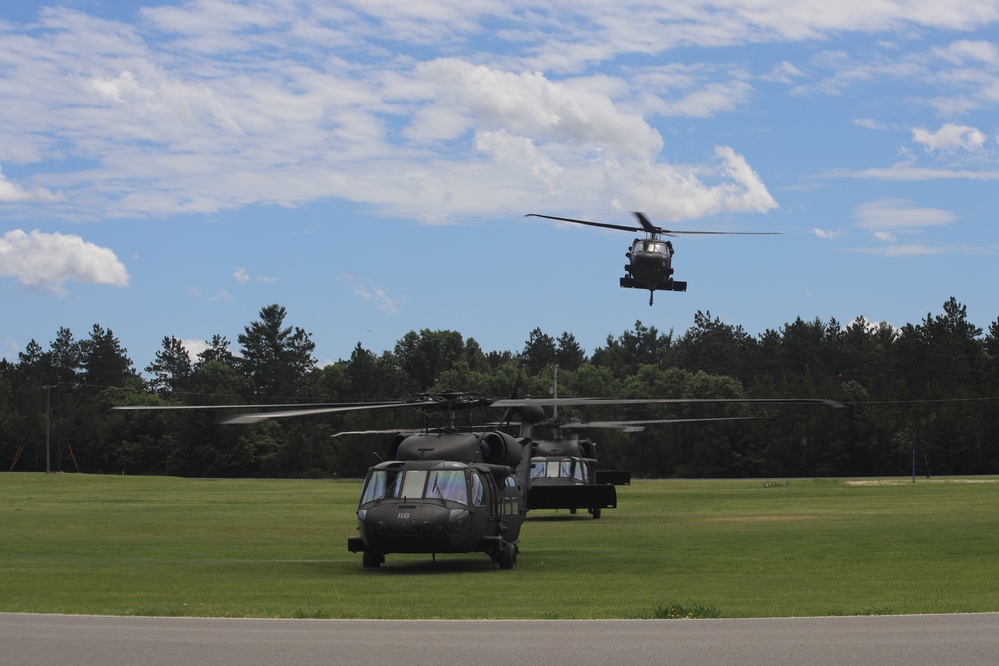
(926,393)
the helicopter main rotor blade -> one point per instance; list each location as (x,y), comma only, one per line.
(650,228)
(150,408)
(548,402)
(373,432)
(254,417)
(670,232)
(452,400)
(445,401)
(619,227)
(645,422)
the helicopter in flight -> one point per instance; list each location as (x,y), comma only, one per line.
(446,488)
(650,259)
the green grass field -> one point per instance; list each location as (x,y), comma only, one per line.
(118,545)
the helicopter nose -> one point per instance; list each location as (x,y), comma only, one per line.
(408,528)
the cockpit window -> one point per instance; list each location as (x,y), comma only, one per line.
(415,484)
(478,491)
(382,484)
(412,485)
(558,469)
(539,470)
(448,485)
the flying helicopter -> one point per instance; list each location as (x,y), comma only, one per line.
(650,259)
(448,488)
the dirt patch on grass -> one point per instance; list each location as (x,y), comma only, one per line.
(908,481)
(761,519)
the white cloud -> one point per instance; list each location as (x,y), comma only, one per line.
(868,123)
(949,138)
(11,192)
(520,152)
(907,171)
(923,250)
(964,50)
(44,260)
(783,72)
(604,29)
(870,327)
(709,100)
(209,105)
(380,297)
(681,193)
(194,346)
(889,220)
(827,234)
(531,105)
(894,216)
(243,277)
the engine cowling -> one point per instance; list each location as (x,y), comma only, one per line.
(532,413)
(397,440)
(494,448)
(581,448)
(499,448)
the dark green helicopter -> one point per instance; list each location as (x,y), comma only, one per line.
(447,488)
(650,259)
(564,472)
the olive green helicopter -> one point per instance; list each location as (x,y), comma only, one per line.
(650,259)
(564,468)
(449,487)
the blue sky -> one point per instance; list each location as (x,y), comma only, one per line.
(168,169)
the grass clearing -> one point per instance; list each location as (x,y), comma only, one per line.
(118,545)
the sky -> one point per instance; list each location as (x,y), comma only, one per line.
(168,169)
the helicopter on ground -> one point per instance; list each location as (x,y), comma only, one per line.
(447,489)
(564,472)
(650,259)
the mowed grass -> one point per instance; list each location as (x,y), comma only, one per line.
(118,545)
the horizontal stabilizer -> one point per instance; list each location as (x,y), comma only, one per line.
(602,496)
(617,477)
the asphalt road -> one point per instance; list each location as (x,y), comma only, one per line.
(913,640)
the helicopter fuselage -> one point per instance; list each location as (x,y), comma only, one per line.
(650,266)
(439,506)
(650,258)
(562,477)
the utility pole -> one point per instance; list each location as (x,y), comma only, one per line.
(554,391)
(48,411)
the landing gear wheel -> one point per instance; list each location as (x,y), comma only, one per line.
(596,513)
(372,560)
(508,556)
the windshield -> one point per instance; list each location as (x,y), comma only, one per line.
(415,484)
(447,484)
(558,469)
